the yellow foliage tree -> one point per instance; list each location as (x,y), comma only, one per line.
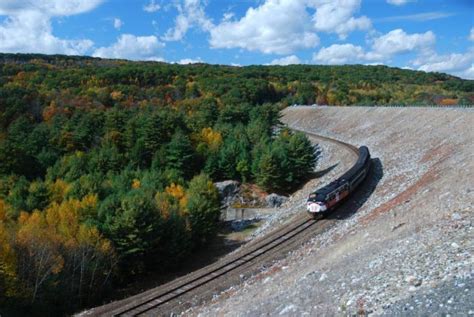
(212,138)
(58,190)
(136,183)
(178,192)
(55,242)
(39,256)
(163,204)
(3,211)
(116,95)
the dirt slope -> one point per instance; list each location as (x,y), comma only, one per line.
(407,246)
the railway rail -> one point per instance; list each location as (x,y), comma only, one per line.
(175,297)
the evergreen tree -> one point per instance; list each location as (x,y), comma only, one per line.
(268,173)
(133,229)
(203,208)
(38,196)
(180,155)
(302,155)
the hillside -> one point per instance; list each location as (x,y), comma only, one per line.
(408,248)
(86,81)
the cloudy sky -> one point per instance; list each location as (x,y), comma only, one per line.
(429,35)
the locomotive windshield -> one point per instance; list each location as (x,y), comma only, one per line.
(316,197)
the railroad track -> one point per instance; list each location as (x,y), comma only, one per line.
(176,296)
(348,146)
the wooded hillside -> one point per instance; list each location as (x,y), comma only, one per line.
(107,166)
(107,171)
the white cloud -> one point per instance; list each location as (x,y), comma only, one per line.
(419,17)
(27,28)
(459,64)
(190,14)
(397,42)
(186,61)
(336,16)
(151,7)
(118,23)
(277,26)
(48,7)
(288,60)
(227,16)
(383,48)
(398,2)
(284,26)
(341,54)
(471,35)
(132,47)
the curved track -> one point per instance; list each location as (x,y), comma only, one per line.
(178,295)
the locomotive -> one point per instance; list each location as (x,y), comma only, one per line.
(329,196)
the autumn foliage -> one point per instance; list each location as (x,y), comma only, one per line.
(107,168)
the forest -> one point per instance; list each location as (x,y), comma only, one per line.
(105,178)
(107,167)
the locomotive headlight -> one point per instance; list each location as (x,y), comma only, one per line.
(313,207)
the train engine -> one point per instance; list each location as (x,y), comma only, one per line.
(329,196)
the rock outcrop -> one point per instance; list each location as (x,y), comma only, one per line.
(274,200)
(228,192)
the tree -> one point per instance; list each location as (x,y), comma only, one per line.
(38,196)
(268,173)
(9,286)
(133,229)
(39,258)
(180,155)
(17,197)
(203,208)
(234,154)
(57,253)
(302,155)
(104,159)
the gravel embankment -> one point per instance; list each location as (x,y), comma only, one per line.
(333,162)
(406,249)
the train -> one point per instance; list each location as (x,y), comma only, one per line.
(328,197)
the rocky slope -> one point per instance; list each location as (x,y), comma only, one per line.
(406,247)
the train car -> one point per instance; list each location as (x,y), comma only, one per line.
(331,195)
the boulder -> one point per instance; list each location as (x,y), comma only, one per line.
(274,200)
(228,190)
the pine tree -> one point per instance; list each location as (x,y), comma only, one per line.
(268,173)
(203,208)
(302,155)
(180,155)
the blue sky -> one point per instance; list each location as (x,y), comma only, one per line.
(429,35)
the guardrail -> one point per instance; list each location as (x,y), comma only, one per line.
(391,106)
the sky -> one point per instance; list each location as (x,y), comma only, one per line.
(427,35)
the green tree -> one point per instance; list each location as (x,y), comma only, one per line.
(134,228)
(180,155)
(268,172)
(38,196)
(203,208)
(302,155)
